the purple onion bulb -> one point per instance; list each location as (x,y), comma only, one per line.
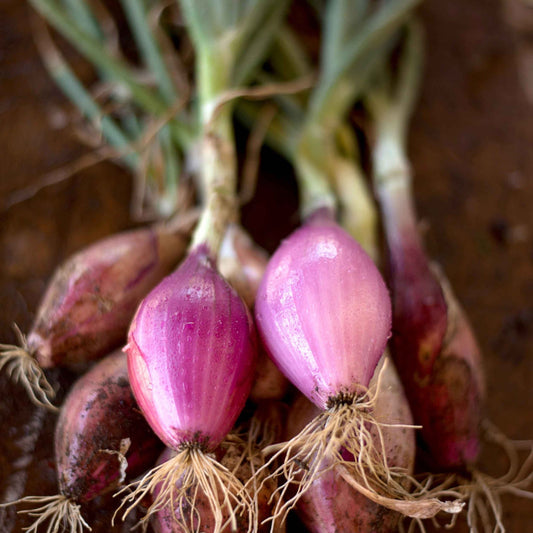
(191,353)
(324,312)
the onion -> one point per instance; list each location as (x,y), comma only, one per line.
(89,303)
(191,352)
(100,438)
(324,313)
(434,349)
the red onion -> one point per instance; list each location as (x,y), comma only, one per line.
(89,303)
(433,346)
(100,439)
(324,313)
(439,361)
(191,351)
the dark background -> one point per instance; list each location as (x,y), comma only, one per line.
(472,152)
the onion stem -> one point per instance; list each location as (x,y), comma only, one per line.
(91,48)
(339,90)
(69,83)
(230,38)
(79,10)
(137,16)
(391,110)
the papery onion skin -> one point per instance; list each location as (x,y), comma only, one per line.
(323,311)
(99,413)
(92,297)
(191,354)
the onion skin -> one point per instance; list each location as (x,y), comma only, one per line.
(331,505)
(99,412)
(433,345)
(323,311)
(243,264)
(92,297)
(191,354)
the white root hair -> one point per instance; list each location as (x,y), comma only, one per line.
(483,492)
(23,368)
(61,513)
(319,447)
(177,484)
(348,427)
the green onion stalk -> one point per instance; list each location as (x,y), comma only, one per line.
(155,127)
(313,131)
(230,39)
(145,119)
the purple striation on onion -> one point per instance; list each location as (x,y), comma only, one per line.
(191,354)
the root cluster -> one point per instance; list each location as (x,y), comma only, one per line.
(178,484)
(23,368)
(61,513)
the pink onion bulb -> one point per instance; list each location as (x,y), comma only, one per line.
(191,353)
(324,312)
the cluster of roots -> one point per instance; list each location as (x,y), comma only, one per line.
(22,367)
(348,437)
(178,485)
(61,514)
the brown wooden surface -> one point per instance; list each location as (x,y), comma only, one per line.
(472,151)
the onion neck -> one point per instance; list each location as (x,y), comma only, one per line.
(393,186)
(218,172)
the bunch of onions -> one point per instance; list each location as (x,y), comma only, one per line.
(322,308)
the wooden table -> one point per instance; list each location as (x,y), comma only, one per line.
(472,153)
